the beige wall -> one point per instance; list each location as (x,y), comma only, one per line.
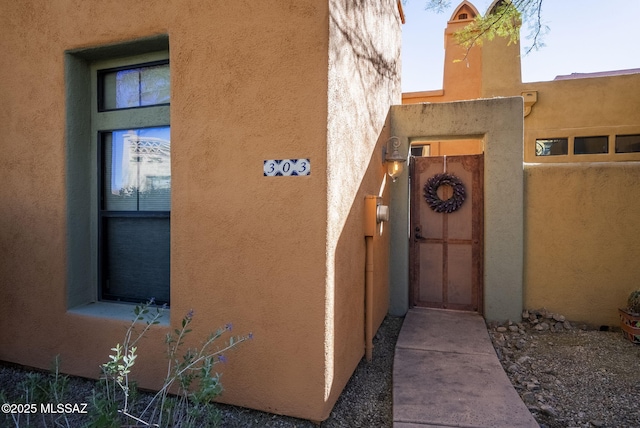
(364,80)
(582,238)
(579,241)
(282,257)
(583,107)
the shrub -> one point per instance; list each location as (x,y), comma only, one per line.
(633,302)
(190,373)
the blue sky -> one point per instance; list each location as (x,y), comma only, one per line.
(585,36)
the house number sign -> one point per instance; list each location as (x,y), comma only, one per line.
(286,167)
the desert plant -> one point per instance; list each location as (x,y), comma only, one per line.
(633,302)
(40,390)
(189,374)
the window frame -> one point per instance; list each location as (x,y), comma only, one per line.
(81,166)
(111,120)
(100,84)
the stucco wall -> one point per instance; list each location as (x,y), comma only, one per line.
(583,107)
(250,81)
(364,80)
(581,238)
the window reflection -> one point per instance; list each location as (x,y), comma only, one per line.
(135,87)
(552,146)
(137,170)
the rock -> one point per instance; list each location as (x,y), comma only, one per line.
(501,329)
(544,326)
(529,398)
(558,317)
(520,344)
(559,326)
(513,328)
(567,325)
(547,410)
(597,423)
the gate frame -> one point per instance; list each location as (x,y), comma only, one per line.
(499,123)
(477,228)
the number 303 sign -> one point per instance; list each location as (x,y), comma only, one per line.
(286,167)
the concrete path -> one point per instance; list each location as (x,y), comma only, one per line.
(446,374)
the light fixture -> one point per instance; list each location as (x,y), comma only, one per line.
(392,157)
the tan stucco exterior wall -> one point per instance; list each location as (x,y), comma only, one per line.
(282,257)
(364,80)
(582,238)
(579,240)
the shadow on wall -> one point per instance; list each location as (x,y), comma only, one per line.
(349,274)
(375,59)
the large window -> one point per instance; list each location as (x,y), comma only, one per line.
(118,187)
(130,123)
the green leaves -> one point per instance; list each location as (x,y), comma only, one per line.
(190,371)
(503,20)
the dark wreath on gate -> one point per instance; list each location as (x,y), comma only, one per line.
(431,193)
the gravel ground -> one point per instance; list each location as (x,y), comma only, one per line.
(567,375)
(571,375)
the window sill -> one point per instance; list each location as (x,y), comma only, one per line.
(114,311)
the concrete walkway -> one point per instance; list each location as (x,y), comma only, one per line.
(446,374)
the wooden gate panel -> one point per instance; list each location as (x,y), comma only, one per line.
(430,289)
(460,280)
(446,249)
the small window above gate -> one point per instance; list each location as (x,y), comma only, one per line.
(471,146)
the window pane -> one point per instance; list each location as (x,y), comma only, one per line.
(552,146)
(136,259)
(137,170)
(627,143)
(590,145)
(424,150)
(135,87)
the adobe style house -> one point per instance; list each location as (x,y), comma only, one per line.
(232,160)
(215,156)
(581,169)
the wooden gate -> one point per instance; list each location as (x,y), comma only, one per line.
(446,248)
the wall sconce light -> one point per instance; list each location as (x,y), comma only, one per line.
(392,157)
